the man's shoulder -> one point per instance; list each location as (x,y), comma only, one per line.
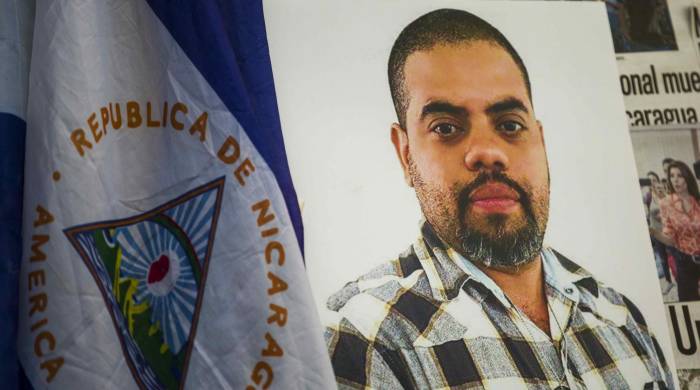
(367,305)
(382,282)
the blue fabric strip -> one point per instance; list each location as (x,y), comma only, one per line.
(12,131)
(227,42)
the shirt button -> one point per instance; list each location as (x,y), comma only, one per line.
(569,290)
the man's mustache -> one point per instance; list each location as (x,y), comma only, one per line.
(494,177)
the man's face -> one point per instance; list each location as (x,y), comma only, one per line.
(474,152)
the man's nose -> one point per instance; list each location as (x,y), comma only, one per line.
(485,152)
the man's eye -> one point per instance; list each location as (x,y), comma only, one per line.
(510,127)
(445,129)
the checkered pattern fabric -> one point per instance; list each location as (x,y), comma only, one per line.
(430,319)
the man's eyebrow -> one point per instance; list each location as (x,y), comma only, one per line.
(507,104)
(442,107)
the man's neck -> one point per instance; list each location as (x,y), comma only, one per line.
(525,288)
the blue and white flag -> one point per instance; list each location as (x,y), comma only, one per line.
(161,230)
(16,23)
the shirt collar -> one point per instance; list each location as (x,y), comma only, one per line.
(447,270)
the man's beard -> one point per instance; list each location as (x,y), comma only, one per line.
(495,240)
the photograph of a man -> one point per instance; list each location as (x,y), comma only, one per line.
(477,301)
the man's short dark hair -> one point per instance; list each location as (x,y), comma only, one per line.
(667,160)
(443,26)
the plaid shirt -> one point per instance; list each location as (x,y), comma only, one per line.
(431,319)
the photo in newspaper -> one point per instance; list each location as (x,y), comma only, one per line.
(642,25)
(668,163)
(662,99)
(368,192)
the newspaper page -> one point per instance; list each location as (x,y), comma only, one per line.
(657,51)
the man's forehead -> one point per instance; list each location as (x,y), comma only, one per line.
(453,68)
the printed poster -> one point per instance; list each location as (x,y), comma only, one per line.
(364,197)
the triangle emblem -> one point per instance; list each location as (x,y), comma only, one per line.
(151,269)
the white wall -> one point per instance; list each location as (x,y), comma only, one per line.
(651,147)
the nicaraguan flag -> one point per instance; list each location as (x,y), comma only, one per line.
(161,230)
(16,23)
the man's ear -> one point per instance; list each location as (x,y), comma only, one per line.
(399,138)
(544,147)
(541,130)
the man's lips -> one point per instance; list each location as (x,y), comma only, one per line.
(494,197)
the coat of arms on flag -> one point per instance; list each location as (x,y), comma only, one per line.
(151,269)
